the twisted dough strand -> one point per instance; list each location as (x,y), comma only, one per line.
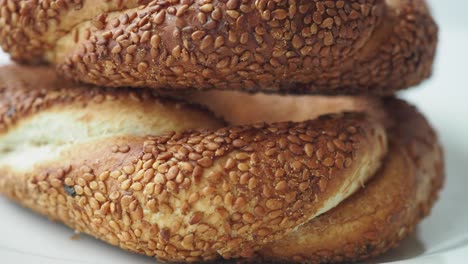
(288,46)
(385,210)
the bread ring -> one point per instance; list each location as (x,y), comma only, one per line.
(189,195)
(288,46)
(391,204)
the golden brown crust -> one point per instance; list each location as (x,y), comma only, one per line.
(93,195)
(299,46)
(382,213)
(186,195)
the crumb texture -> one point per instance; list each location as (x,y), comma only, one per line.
(282,46)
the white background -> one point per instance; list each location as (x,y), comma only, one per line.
(442,238)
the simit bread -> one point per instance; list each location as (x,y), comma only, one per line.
(108,164)
(286,46)
(269,191)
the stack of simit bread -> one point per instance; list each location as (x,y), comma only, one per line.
(135,123)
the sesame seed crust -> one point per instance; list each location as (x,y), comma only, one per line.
(280,46)
(412,177)
(378,216)
(191,195)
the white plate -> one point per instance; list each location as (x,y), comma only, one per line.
(442,238)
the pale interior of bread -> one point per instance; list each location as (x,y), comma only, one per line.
(43,136)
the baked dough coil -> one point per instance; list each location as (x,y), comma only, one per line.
(388,207)
(101,161)
(285,46)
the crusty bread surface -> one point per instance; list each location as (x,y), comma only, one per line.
(169,179)
(385,210)
(281,46)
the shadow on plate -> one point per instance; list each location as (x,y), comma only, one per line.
(409,248)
